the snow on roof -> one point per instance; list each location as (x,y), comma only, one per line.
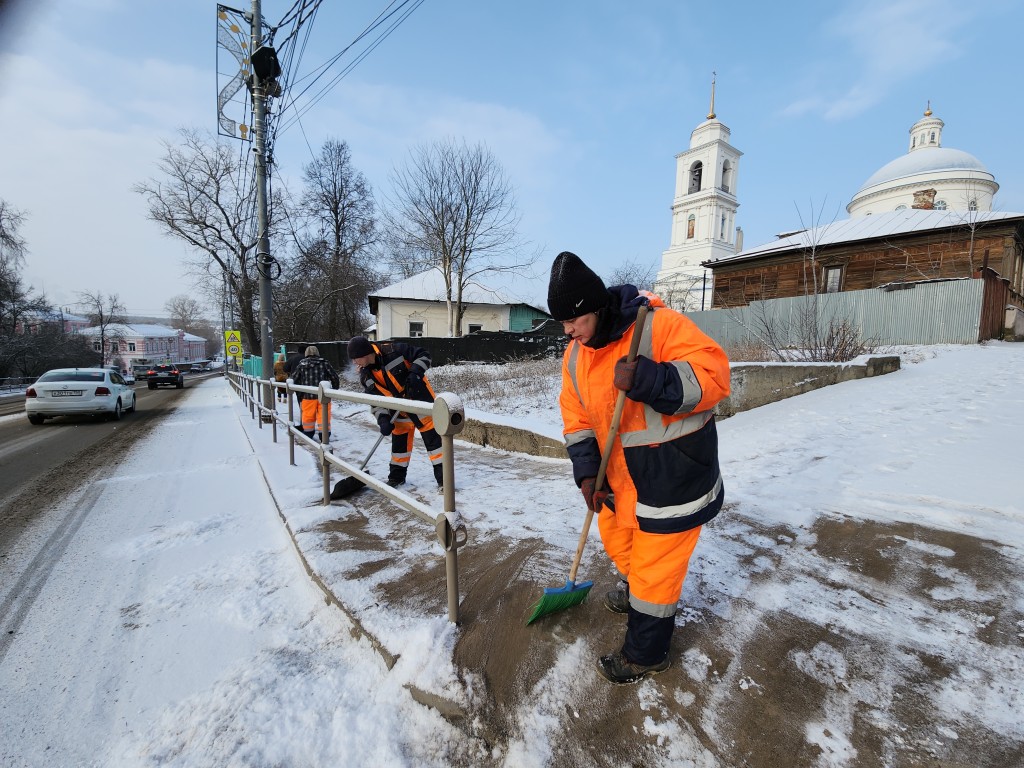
(56,314)
(501,288)
(928,160)
(147,330)
(869,227)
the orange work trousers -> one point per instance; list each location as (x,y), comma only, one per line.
(311,410)
(655,564)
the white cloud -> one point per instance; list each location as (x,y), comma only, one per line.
(878,45)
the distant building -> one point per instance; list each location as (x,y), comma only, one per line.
(35,321)
(703,215)
(416,306)
(144,343)
(863,252)
(924,216)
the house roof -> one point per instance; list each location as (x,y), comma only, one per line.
(501,289)
(143,330)
(54,315)
(872,227)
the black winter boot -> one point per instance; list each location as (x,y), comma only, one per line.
(616,668)
(396,476)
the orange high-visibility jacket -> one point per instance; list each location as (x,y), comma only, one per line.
(663,471)
(389,374)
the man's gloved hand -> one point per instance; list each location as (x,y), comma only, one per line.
(594,498)
(384,422)
(625,372)
(640,380)
(414,378)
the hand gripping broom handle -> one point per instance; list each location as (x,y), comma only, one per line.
(613,431)
(375,446)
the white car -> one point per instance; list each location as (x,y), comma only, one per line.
(66,391)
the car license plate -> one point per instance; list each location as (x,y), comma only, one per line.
(66,393)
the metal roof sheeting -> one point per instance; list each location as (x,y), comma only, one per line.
(871,227)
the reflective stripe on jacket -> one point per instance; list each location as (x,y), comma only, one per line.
(663,471)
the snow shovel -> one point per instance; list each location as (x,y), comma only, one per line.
(557,599)
(349,485)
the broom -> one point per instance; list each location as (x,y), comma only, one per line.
(557,599)
(349,485)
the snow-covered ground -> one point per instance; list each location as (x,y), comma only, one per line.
(187,632)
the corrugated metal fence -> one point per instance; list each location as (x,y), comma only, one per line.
(947,312)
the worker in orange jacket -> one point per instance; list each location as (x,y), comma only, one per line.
(663,479)
(397,369)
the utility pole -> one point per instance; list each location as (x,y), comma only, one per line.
(265,70)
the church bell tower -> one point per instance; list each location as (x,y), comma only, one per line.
(703,215)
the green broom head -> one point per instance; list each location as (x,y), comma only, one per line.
(558,599)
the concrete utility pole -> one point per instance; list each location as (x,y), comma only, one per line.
(264,71)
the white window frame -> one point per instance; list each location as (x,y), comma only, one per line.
(415,329)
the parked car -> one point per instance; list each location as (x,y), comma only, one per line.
(65,391)
(160,375)
(127,375)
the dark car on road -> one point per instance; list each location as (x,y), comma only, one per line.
(160,375)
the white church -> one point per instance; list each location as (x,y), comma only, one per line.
(929,176)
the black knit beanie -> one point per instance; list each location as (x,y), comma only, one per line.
(358,347)
(574,288)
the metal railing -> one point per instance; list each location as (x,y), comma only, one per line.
(449,418)
(15,384)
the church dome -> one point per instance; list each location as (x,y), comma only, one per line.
(927,160)
(929,177)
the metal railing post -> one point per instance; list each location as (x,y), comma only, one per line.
(325,414)
(449,419)
(291,423)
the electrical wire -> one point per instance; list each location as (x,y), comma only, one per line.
(382,18)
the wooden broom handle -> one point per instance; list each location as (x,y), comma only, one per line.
(613,431)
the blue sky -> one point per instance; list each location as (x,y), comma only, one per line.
(585,104)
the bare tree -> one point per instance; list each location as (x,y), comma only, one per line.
(334,229)
(206,200)
(107,314)
(185,312)
(633,273)
(12,245)
(454,211)
(33,337)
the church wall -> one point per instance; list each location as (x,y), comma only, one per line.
(938,255)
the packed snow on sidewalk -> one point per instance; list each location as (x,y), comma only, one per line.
(186,631)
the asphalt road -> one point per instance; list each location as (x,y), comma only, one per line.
(38,464)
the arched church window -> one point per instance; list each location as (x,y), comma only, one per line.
(933,137)
(940,205)
(973,205)
(721,231)
(691,222)
(913,142)
(726,176)
(696,171)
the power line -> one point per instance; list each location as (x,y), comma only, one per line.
(380,20)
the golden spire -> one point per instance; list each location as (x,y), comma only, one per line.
(711,112)
(928,111)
